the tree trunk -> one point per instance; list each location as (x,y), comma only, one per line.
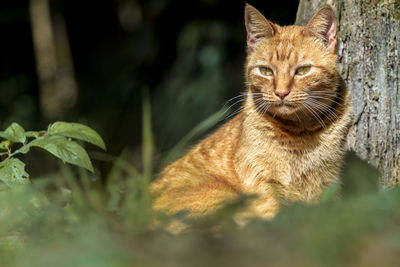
(368,49)
(58,88)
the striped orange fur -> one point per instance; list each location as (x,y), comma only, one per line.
(286,144)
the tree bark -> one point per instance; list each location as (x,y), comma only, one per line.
(368,49)
(58,88)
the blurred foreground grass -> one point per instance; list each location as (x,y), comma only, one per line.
(72,218)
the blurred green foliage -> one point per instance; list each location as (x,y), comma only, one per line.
(68,220)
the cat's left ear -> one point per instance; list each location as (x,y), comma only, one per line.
(323,25)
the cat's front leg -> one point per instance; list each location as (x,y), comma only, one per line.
(264,207)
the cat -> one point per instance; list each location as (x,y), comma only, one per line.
(287,143)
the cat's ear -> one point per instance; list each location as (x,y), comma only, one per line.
(257,26)
(323,25)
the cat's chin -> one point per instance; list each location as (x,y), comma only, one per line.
(284,110)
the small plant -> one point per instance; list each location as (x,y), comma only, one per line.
(56,140)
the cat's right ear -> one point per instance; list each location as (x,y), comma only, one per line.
(257,26)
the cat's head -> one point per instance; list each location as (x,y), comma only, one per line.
(292,70)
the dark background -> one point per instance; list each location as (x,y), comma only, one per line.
(188,54)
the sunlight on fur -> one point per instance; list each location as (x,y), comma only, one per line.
(287,142)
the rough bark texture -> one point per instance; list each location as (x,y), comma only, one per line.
(369,47)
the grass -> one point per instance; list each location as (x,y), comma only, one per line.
(71,218)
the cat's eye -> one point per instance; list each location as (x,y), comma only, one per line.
(266,71)
(302,70)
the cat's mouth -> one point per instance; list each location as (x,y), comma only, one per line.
(284,104)
(283,108)
(275,108)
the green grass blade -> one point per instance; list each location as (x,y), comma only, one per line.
(147,136)
(200,129)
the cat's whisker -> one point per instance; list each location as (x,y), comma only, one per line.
(331,110)
(295,113)
(333,94)
(315,110)
(325,98)
(302,111)
(297,99)
(233,98)
(237,102)
(314,113)
(251,113)
(320,103)
(322,91)
(258,101)
(234,113)
(229,115)
(241,96)
(274,115)
(329,115)
(257,108)
(265,109)
(306,112)
(325,94)
(240,109)
(244,95)
(326,109)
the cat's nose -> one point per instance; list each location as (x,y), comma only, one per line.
(282,93)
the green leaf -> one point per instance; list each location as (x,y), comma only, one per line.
(12,172)
(77,131)
(4,145)
(34,134)
(14,133)
(64,149)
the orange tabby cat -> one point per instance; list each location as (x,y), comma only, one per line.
(287,143)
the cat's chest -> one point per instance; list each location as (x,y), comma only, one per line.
(273,162)
(288,167)
(302,163)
